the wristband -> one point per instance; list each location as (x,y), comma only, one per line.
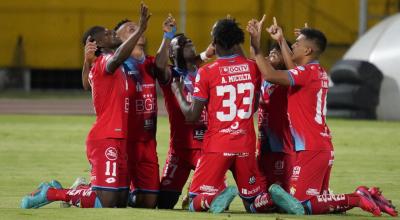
(171,34)
(203,56)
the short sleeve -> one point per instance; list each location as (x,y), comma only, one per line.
(299,76)
(201,89)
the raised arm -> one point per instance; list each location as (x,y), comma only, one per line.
(162,70)
(191,111)
(125,50)
(277,34)
(268,72)
(205,55)
(90,49)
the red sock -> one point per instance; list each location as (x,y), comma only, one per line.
(82,197)
(201,202)
(262,204)
(330,203)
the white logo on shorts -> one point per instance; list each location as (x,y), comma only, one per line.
(111,153)
(110,180)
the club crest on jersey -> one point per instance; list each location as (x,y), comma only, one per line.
(294,72)
(111,153)
(242,68)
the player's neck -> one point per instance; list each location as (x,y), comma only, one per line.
(225,53)
(306,60)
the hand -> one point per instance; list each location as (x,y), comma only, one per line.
(169,24)
(297,30)
(254,28)
(177,85)
(210,51)
(90,49)
(275,31)
(144,17)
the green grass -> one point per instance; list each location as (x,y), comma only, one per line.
(40,148)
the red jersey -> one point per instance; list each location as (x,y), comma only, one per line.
(307,107)
(142,121)
(110,100)
(273,124)
(184,135)
(229,85)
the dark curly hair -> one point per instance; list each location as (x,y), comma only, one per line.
(227,33)
(122,22)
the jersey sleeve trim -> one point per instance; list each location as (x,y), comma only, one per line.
(200,98)
(291,79)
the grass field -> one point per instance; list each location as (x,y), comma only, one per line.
(40,148)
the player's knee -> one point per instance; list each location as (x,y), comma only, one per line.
(108,199)
(167,200)
(146,200)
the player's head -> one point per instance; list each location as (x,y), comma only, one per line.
(275,56)
(104,38)
(311,42)
(181,51)
(125,28)
(226,36)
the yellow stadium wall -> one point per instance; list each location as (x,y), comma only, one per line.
(52,29)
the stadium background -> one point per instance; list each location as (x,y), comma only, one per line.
(44,36)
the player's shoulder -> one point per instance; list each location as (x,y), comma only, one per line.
(150,59)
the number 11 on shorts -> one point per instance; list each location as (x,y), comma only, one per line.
(114,168)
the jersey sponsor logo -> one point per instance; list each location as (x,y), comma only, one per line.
(110,180)
(208,189)
(146,105)
(312,192)
(243,154)
(279,164)
(296,172)
(251,191)
(242,68)
(233,131)
(111,153)
(198,134)
(252,180)
(126,105)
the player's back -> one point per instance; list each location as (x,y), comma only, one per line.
(273,123)
(230,85)
(307,107)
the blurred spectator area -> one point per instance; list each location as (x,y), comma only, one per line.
(41,39)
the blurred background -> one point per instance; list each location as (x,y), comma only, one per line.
(41,51)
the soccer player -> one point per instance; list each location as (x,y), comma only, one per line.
(106,142)
(274,140)
(141,143)
(186,138)
(308,86)
(229,88)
